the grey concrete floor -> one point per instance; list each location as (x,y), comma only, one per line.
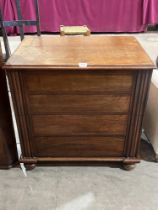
(85,188)
(82,188)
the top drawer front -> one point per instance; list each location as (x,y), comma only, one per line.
(78,81)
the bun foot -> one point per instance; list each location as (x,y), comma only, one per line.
(129,167)
(156,158)
(30,167)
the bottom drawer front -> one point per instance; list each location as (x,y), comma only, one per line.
(78,146)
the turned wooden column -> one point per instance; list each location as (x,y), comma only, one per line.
(8,151)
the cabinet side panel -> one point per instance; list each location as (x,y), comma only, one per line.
(20,111)
(139,100)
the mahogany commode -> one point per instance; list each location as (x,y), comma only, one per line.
(79,99)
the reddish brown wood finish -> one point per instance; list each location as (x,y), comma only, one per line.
(101,82)
(77,146)
(8,152)
(99,52)
(49,104)
(74,114)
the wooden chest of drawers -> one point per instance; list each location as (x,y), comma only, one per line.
(79,98)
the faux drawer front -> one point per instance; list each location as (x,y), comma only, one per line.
(78,146)
(49,125)
(67,82)
(78,103)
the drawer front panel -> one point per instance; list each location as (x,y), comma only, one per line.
(78,103)
(78,147)
(49,125)
(77,81)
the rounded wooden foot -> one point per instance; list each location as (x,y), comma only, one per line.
(156,158)
(30,167)
(129,167)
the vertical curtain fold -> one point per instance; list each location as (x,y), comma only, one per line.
(99,16)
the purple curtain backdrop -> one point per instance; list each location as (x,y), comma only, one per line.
(98,15)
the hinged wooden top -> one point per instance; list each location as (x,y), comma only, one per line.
(79,52)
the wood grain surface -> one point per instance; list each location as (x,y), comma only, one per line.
(49,125)
(77,146)
(104,52)
(70,113)
(51,104)
(78,81)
